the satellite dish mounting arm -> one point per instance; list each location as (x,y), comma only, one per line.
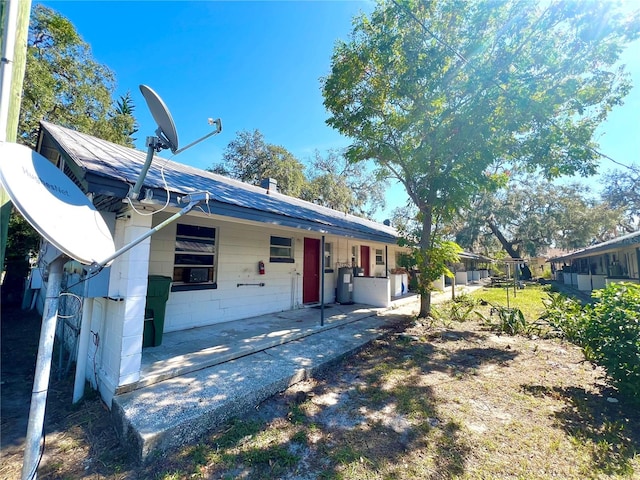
(153,144)
(193,200)
(217,122)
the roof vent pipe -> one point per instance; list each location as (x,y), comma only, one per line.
(271,184)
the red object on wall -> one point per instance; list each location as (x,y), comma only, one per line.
(261,267)
(311,271)
(364,260)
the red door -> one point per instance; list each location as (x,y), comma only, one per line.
(364,259)
(311,271)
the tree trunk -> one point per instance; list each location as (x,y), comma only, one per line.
(508,246)
(525,271)
(425,242)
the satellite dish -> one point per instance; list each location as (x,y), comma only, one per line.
(54,205)
(167,137)
(166,128)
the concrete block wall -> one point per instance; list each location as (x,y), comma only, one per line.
(239,248)
(120,329)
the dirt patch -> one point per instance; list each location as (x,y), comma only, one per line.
(423,402)
(80,441)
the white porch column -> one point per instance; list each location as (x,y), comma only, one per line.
(121,352)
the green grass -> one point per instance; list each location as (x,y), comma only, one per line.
(528,299)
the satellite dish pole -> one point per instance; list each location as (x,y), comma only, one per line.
(166,135)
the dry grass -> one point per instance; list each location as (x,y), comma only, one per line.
(426,402)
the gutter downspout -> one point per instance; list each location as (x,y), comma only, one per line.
(83,345)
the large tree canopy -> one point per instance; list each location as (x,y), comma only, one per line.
(331,181)
(334,182)
(64,85)
(622,190)
(440,92)
(527,217)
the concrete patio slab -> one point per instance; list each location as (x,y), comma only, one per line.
(200,378)
(188,350)
(181,409)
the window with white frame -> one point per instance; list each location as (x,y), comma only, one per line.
(281,250)
(195,255)
(379,256)
(354,255)
(327,256)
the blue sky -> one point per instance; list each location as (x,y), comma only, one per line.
(256,65)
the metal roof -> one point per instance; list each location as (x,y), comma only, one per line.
(108,167)
(608,246)
(476,256)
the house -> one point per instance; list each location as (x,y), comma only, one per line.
(595,267)
(248,251)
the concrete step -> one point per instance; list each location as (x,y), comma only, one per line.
(180,410)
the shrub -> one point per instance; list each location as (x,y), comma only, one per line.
(565,316)
(612,335)
(463,307)
(608,332)
(510,320)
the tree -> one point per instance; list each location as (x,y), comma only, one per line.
(64,85)
(439,92)
(527,217)
(336,183)
(622,190)
(432,263)
(250,159)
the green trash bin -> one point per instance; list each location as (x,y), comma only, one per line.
(157,295)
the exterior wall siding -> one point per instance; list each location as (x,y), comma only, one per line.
(239,248)
(594,275)
(117,315)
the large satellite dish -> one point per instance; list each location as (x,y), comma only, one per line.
(54,205)
(166,128)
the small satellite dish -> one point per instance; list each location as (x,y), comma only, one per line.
(166,128)
(166,136)
(54,205)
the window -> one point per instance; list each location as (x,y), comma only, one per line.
(354,255)
(327,257)
(281,250)
(195,254)
(379,256)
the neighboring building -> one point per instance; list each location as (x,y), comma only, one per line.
(594,267)
(540,264)
(249,251)
(471,268)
